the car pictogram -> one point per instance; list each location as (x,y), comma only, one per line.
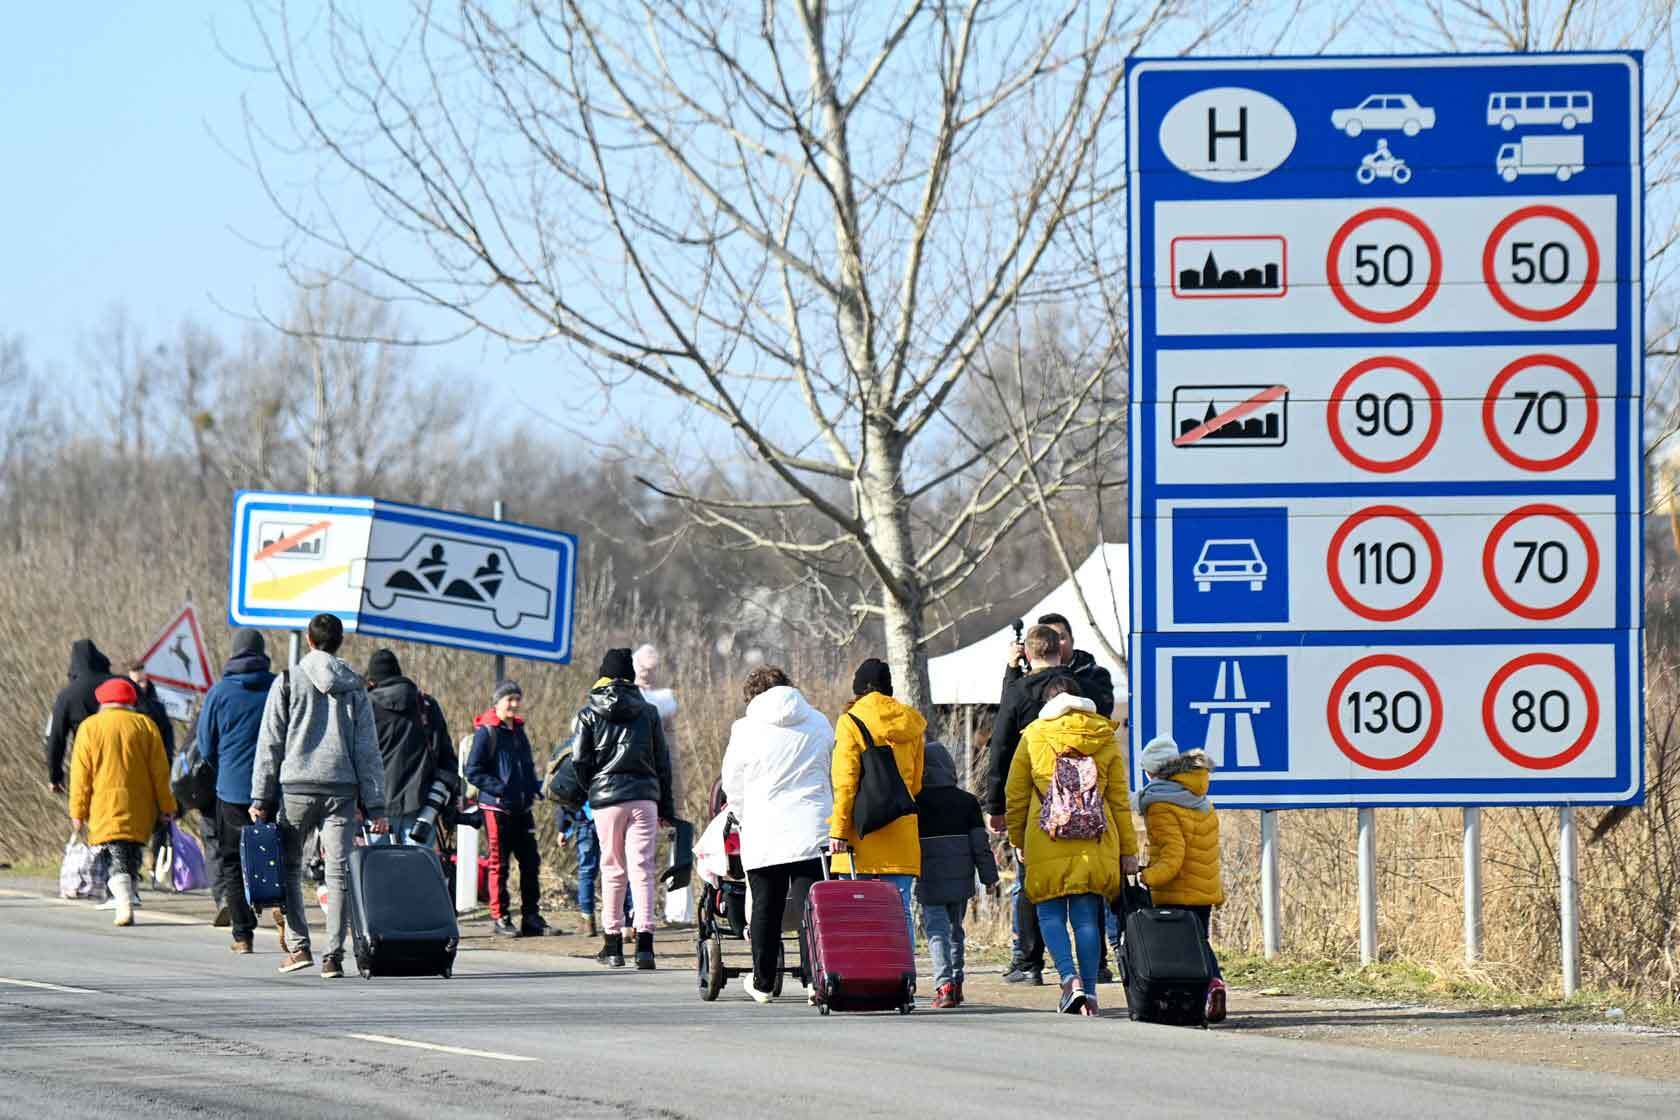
(454,572)
(1230,560)
(1384,112)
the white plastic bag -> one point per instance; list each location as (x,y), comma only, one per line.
(83,873)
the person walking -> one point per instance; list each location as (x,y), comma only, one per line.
(317,756)
(1022,699)
(229,725)
(1095,682)
(776,780)
(1068,809)
(500,764)
(413,742)
(75,702)
(151,704)
(623,762)
(119,785)
(893,852)
(678,902)
(955,851)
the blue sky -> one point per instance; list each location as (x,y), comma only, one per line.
(122,182)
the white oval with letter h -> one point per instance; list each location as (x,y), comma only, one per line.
(1228,134)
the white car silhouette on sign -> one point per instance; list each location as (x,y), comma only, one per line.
(1225,560)
(449,571)
(1385,112)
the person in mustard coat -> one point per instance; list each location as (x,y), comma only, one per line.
(119,785)
(1183,842)
(894,852)
(1080,846)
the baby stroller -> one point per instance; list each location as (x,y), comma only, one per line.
(721,913)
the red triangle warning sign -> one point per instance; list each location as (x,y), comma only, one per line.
(177,657)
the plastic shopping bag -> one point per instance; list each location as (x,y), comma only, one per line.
(187,865)
(83,873)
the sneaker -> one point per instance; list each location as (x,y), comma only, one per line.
(223,919)
(1105,975)
(243,948)
(504,927)
(956,992)
(1073,998)
(944,997)
(332,966)
(1090,1008)
(1021,974)
(1216,1001)
(301,959)
(757,996)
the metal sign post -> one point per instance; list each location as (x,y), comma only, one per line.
(1568,902)
(1472,885)
(1269,883)
(1367,886)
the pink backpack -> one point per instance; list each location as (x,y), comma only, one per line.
(1072,808)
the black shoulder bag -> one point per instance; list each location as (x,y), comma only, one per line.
(882,797)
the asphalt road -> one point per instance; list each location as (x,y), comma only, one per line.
(160,1020)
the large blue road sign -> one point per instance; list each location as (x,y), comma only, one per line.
(402,571)
(1386,382)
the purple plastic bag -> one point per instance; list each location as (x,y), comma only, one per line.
(186,866)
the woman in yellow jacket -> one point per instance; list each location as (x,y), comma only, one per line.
(1072,874)
(894,852)
(1183,842)
(119,785)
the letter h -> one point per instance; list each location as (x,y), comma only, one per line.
(1239,134)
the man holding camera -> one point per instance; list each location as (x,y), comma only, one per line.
(422,773)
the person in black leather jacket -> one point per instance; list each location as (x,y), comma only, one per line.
(622,760)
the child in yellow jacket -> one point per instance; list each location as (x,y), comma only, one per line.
(1183,828)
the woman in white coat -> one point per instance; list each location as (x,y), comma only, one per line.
(776,777)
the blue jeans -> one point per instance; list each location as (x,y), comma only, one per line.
(1084,911)
(589,864)
(943,924)
(1112,924)
(906,885)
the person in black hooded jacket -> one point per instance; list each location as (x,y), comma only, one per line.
(413,742)
(1095,682)
(88,670)
(622,759)
(151,704)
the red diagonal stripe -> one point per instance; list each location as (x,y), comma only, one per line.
(284,543)
(1237,412)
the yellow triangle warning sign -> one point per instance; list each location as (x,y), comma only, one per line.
(177,657)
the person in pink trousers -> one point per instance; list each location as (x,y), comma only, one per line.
(622,760)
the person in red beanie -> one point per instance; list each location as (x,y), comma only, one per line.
(119,785)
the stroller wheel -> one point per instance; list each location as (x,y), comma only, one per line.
(709,959)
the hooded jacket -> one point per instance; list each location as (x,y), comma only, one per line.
(775,776)
(1183,841)
(317,737)
(500,764)
(230,722)
(1060,868)
(88,670)
(621,754)
(1095,682)
(954,844)
(119,781)
(413,742)
(897,848)
(1019,707)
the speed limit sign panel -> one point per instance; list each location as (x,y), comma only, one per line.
(1386,400)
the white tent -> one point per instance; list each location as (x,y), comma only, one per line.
(974,674)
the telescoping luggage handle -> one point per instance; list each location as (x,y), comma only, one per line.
(828,872)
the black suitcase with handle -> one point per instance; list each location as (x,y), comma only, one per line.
(1166,967)
(402,917)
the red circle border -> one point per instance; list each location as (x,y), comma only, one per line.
(1588,393)
(1490,723)
(1339,394)
(1430,734)
(1491,576)
(1411,606)
(1430,287)
(1569,306)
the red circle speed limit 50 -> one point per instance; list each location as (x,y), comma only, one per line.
(1540,262)
(1541,708)
(1404,707)
(1385,265)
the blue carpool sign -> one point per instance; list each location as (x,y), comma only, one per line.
(401,571)
(1386,381)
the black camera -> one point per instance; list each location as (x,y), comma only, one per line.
(438,799)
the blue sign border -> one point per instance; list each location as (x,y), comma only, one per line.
(1148,178)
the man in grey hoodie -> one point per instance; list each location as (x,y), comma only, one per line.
(318,744)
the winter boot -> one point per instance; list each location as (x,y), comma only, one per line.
(612,951)
(644,951)
(956,993)
(591,927)
(122,887)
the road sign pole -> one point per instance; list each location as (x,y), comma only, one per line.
(1568,902)
(466,838)
(1367,886)
(1269,882)
(292,653)
(1472,885)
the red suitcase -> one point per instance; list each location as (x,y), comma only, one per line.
(859,947)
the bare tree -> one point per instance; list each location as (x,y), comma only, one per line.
(800,222)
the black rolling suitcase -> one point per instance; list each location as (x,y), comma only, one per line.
(402,918)
(1165,966)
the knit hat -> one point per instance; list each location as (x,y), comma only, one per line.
(872,676)
(117,690)
(382,666)
(618,665)
(504,688)
(1158,753)
(249,642)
